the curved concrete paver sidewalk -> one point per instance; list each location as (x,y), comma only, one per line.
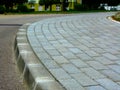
(82,52)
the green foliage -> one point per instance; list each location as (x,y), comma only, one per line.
(42,2)
(94,4)
(19,1)
(111,2)
(8,4)
(116,16)
(65,4)
(80,7)
(91,4)
(48,3)
(22,8)
(2,9)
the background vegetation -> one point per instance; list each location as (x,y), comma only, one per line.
(116,16)
(87,5)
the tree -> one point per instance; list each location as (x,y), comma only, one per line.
(94,4)
(48,3)
(10,3)
(20,1)
(91,4)
(64,5)
(112,2)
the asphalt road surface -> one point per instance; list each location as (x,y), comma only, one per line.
(10,78)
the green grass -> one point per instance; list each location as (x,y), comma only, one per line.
(116,16)
(57,12)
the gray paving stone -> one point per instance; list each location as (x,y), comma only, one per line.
(79,63)
(53,52)
(60,74)
(112,51)
(94,74)
(118,56)
(62,49)
(98,50)
(83,79)
(96,65)
(115,68)
(118,83)
(43,56)
(110,56)
(69,55)
(111,74)
(67,45)
(104,60)
(70,68)
(118,62)
(47,47)
(71,84)
(38,50)
(108,84)
(95,88)
(75,50)
(60,59)
(103,46)
(50,64)
(63,41)
(80,55)
(90,45)
(92,53)
(83,47)
(84,57)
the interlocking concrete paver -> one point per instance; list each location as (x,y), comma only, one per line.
(104,60)
(50,64)
(82,52)
(96,65)
(115,68)
(53,52)
(108,84)
(60,74)
(69,55)
(118,62)
(95,88)
(110,56)
(68,84)
(111,74)
(79,63)
(70,68)
(75,50)
(84,57)
(84,80)
(119,83)
(94,74)
(92,53)
(60,59)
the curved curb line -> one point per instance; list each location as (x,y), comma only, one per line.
(110,18)
(34,73)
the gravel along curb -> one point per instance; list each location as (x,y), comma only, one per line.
(32,70)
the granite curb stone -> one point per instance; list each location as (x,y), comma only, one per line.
(34,73)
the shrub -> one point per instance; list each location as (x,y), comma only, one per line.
(80,7)
(117,16)
(2,9)
(22,8)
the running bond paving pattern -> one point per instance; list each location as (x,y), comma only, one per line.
(82,52)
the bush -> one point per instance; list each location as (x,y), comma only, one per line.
(80,7)
(116,16)
(2,9)
(22,8)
